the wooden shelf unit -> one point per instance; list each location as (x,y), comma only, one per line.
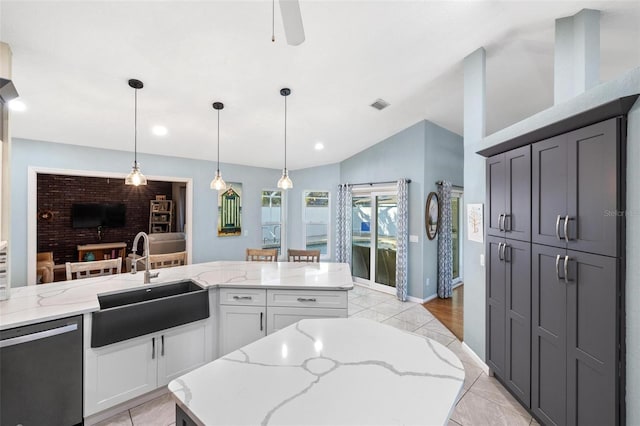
(103,251)
(160,216)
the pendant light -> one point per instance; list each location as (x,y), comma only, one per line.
(285,180)
(217,183)
(135,178)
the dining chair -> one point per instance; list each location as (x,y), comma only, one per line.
(167,260)
(44,266)
(262,255)
(93,269)
(303,255)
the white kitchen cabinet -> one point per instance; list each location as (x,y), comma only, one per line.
(121,371)
(280,317)
(240,325)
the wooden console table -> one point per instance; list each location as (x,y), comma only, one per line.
(103,251)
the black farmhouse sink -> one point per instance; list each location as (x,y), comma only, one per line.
(134,313)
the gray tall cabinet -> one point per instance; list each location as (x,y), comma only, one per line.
(554,265)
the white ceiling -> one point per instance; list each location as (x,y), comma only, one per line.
(72,60)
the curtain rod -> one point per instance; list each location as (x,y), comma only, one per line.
(440,182)
(376,183)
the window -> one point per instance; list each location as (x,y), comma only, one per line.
(272,219)
(316,216)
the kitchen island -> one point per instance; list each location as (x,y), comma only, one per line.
(325,372)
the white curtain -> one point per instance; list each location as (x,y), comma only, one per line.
(445,247)
(343,225)
(402,240)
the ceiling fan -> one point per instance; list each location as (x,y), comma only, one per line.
(291,20)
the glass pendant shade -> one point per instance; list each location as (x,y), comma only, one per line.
(285,181)
(218,183)
(135,178)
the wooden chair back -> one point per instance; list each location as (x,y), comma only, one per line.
(44,266)
(303,255)
(262,255)
(167,260)
(93,269)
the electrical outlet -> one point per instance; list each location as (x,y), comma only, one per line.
(482,260)
(413,239)
(246,232)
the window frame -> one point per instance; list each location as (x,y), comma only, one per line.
(304,193)
(283,221)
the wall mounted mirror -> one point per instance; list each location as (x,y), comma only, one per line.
(432,215)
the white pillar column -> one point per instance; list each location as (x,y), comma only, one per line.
(577,54)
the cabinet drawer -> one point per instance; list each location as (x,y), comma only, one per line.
(308,299)
(243,296)
(281,317)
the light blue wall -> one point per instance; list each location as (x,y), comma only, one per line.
(423,153)
(206,244)
(444,158)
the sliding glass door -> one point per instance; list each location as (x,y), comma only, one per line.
(374,233)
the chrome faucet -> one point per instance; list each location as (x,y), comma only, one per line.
(145,256)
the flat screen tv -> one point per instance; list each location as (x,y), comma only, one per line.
(92,215)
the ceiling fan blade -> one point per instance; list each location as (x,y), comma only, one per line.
(292,21)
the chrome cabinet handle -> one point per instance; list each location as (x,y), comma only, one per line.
(566,269)
(566,227)
(499,251)
(558,219)
(306,299)
(242,298)
(558,267)
(500,218)
(504,252)
(162,346)
(504,222)
(261,316)
(153,348)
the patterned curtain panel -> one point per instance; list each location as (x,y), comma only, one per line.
(402,239)
(445,248)
(343,225)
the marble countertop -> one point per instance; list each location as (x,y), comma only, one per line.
(37,303)
(326,372)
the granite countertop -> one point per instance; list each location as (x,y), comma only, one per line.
(45,302)
(326,372)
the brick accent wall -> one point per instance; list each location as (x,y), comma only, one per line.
(56,194)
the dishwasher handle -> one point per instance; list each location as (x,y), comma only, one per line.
(39,335)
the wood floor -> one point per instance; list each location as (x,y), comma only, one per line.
(449,311)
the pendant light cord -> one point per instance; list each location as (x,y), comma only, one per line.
(135,129)
(273,20)
(285,133)
(218,141)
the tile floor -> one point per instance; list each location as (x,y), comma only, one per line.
(483,401)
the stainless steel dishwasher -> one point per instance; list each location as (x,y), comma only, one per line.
(41,374)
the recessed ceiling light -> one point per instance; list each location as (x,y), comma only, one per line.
(319,146)
(17,105)
(159,130)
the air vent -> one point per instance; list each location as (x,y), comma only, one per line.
(380,104)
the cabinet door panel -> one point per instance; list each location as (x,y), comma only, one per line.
(518,318)
(281,317)
(118,372)
(593,188)
(183,349)
(496,193)
(496,299)
(592,340)
(549,189)
(239,326)
(549,340)
(517,223)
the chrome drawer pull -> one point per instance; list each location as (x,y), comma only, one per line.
(242,298)
(566,227)
(558,267)
(500,219)
(558,219)
(504,222)
(566,269)
(306,299)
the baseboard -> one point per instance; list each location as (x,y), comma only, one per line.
(477,359)
(409,298)
(110,412)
